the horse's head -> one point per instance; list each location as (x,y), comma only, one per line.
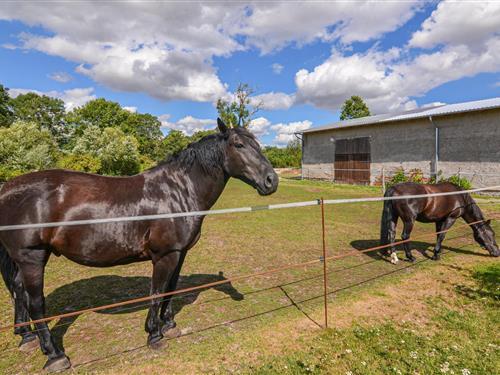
(485,237)
(244,160)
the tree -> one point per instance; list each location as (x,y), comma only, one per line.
(98,112)
(354,107)
(118,153)
(24,147)
(174,142)
(289,156)
(146,129)
(48,113)
(240,110)
(6,114)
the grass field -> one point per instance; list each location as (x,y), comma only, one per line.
(383,318)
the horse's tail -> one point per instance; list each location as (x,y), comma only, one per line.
(387,218)
(8,269)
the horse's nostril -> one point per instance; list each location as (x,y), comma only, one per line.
(269,180)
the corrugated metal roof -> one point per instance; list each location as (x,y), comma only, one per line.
(440,110)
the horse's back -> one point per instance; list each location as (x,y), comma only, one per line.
(427,209)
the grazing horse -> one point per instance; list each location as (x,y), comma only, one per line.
(192,180)
(443,210)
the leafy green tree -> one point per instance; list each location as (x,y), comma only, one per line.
(146,129)
(6,114)
(43,110)
(79,162)
(98,112)
(118,153)
(354,107)
(174,142)
(289,156)
(239,111)
(200,134)
(24,147)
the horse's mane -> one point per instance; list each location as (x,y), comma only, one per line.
(208,153)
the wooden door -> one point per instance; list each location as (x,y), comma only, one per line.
(352,160)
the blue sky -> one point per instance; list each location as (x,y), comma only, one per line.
(304,59)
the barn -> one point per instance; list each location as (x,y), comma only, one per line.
(462,138)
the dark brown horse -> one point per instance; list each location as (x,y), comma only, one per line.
(192,180)
(442,210)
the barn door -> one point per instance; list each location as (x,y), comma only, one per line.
(352,160)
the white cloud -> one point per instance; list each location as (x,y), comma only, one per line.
(387,80)
(496,84)
(260,126)
(169,53)
(285,132)
(468,23)
(277,68)
(131,109)
(188,124)
(62,77)
(273,25)
(273,100)
(72,98)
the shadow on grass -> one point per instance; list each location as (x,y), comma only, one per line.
(424,248)
(293,304)
(106,289)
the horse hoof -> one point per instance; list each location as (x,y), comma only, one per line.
(28,344)
(157,343)
(170,333)
(57,364)
(412,259)
(434,257)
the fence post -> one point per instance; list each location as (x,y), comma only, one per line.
(383,181)
(324,261)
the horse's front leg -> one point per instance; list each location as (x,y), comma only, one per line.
(440,227)
(166,313)
(163,270)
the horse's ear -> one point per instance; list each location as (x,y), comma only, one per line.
(488,222)
(222,127)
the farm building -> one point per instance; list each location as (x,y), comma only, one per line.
(461,138)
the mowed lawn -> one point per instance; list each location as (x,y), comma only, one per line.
(251,324)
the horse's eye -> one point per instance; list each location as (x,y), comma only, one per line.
(238,145)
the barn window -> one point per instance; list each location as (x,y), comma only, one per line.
(352,160)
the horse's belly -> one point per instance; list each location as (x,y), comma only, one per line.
(100,247)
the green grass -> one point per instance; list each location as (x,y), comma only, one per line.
(233,327)
(461,338)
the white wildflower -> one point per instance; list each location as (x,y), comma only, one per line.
(466,371)
(348,351)
(413,355)
(445,367)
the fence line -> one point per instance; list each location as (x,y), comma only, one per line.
(231,210)
(225,281)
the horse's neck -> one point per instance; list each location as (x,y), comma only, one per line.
(472,212)
(194,184)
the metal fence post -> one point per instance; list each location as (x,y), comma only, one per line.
(325,287)
(383,181)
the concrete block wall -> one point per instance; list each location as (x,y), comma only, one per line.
(468,142)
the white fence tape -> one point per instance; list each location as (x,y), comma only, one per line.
(229,210)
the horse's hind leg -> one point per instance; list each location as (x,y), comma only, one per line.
(32,265)
(407,228)
(29,340)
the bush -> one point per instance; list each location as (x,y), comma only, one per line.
(79,162)
(25,148)
(416,175)
(118,153)
(461,182)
